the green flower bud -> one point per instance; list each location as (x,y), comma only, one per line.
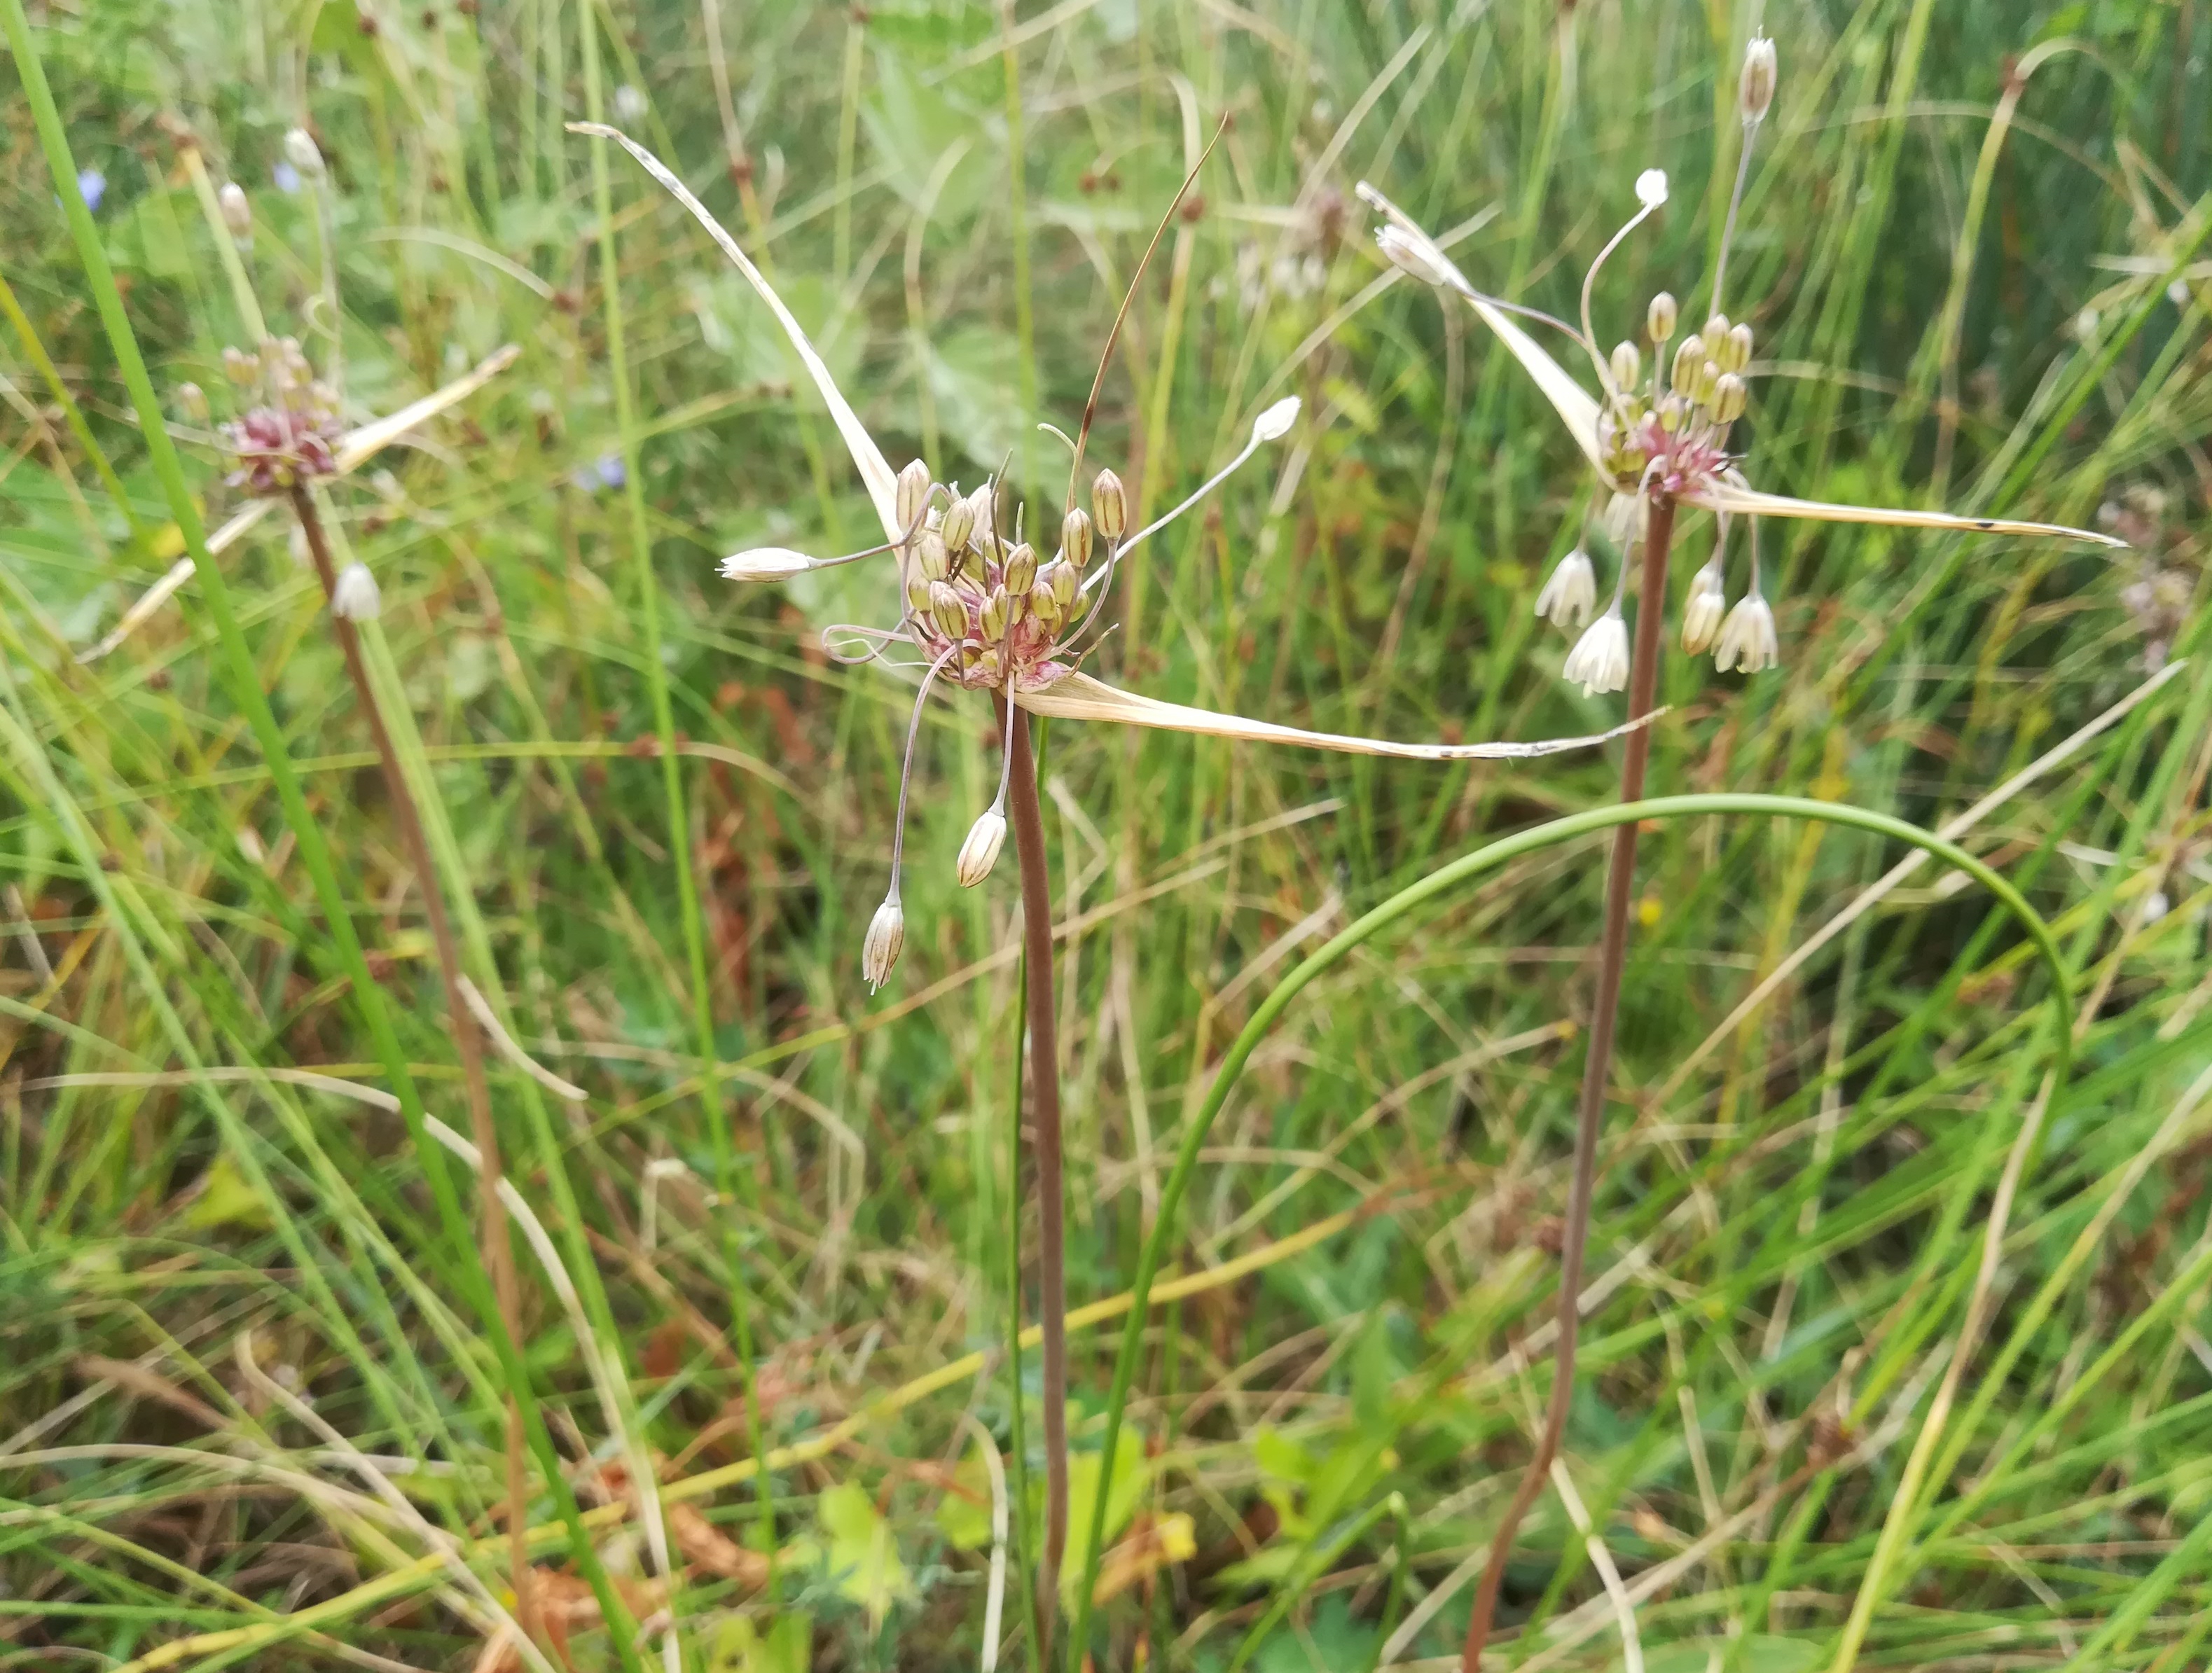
(997,613)
(947,609)
(1044,604)
(930,556)
(1715,328)
(914,486)
(1064,583)
(1110,506)
(1021,569)
(1703,386)
(917,593)
(1728,397)
(1627,366)
(1687,359)
(959,523)
(1660,321)
(1075,537)
(1736,352)
(1672,411)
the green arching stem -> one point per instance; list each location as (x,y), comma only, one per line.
(733,1184)
(71,413)
(244,679)
(1442,881)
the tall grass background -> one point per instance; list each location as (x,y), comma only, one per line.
(1973,258)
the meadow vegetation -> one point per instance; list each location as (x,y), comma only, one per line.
(438,1086)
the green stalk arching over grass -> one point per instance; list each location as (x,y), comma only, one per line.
(314,854)
(735,1185)
(1482,861)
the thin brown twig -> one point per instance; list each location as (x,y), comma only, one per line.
(498,1252)
(1597,1069)
(1027,816)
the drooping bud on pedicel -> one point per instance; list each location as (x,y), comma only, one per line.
(1021,569)
(237,213)
(959,523)
(1728,397)
(1627,364)
(887,940)
(946,609)
(980,852)
(1651,188)
(1735,353)
(1275,424)
(1075,537)
(1754,92)
(930,556)
(914,486)
(1659,321)
(1109,504)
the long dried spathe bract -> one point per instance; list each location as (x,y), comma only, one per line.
(981,609)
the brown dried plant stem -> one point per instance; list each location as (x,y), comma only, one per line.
(498,1252)
(1027,817)
(1597,1069)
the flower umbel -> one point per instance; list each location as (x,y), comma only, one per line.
(982,608)
(1664,426)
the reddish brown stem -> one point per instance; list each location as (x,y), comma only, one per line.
(1027,816)
(498,1252)
(1597,1071)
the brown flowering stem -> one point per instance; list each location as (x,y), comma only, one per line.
(1027,817)
(1597,1071)
(498,1252)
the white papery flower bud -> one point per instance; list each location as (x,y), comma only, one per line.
(1708,602)
(980,852)
(1651,188)
(1412,256)
(1747,638)
(237,213)
(302,153)
(629,103)
(1755,91)
(1660,317)
(1627,366)
(765,563)
(1571,595)
(886,939)
(1599,661)
(914,486)
(355,598)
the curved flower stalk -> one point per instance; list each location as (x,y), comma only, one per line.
(981,609)
(1658,441)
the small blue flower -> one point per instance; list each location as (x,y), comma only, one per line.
(92,185)
(286,176)
(610,471)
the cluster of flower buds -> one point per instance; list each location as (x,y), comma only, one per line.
(293,434)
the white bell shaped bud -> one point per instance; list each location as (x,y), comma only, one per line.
(302,153)
(1651,188)
(354,598)
(1571,595)
(1275,423)
(1747,638)
(1708,601)
(887,940)
(1599,661)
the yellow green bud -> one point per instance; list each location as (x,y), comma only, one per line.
(1075,537)
(1660,320)
(1109,504)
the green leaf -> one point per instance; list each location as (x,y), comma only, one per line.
(965,1516)
(740,1646)
(1762,1653)
(863,1557)
(225,1199)
(1132,1472)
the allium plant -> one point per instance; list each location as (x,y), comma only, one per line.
(974,606)
(1659,434)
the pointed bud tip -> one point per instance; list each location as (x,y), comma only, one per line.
(1275,423)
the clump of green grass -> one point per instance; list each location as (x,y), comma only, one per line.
(783,1206)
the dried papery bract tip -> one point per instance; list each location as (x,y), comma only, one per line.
(237,213)
(1411,256)
(1275,423)
(887,940)
(1651,188)
(1755,91)
(354,597)
(765,563)
(1661,318)
(1109,504)
(980,852)
(1571,595)
(914,486)
(302,153)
